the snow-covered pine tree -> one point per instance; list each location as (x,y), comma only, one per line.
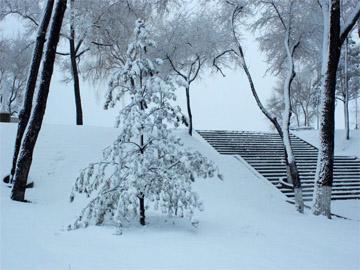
(147,164)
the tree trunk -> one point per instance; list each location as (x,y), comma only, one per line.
(189,110)
(74,68)
(317,117)
(142,209)
(273,120)
(141,195)
(27,147)
(293,175)
(292,171)
(346,116)
(325,163)
(346,93)
(356,112)
(297,120)
(24,114)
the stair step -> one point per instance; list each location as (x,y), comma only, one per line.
(265,153)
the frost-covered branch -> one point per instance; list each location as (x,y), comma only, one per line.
(159,171)
(175,69)
(349,23)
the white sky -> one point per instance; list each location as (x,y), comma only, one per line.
(217,102)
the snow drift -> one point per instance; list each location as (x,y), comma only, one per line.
(246,223)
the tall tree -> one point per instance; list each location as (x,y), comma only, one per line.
(74,54)
(282,38)
(25,112)
(334,35)
(28,144)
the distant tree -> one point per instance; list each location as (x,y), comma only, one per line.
(348,78)
(14,63)
(147,164)
(189,42)
(75,53)
(304,100)
(24,161)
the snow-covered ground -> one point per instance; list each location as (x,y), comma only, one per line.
(246,223)
(345,147)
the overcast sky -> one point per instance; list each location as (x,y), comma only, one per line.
(217,102)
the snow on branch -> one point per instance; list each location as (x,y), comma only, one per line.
(349,23)
(147,165)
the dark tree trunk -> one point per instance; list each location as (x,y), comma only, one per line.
(334,37)
(325,165)
(141,195)
(189,110)
(74,68)
(346,93)
(33,129)
(142,209)
(297,120)
(347,121)
(31,81)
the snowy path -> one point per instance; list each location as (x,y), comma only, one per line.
(246,223)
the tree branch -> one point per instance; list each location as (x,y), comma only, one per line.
(197,70)
(101,44)
(25,16)
(349,23)
(175,69)
(277,12)
(82,52)
(62,53)
(218,57)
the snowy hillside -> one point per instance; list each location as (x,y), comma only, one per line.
(342,146)
(246,223)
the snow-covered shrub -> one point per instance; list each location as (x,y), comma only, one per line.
(147,164)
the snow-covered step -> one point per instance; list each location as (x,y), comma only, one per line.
(265,153)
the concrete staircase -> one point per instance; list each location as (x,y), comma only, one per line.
(264,152)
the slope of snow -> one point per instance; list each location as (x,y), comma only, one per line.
(342,146)
(246,223)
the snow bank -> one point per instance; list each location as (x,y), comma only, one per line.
(246,223)
(342,146)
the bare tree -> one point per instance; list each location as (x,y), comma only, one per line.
(189,42)
(31,82)
(29,11)
(108,26)
(27,146)
(334,35)
(13,73)
(304,99)
(348,77)
(283,37)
